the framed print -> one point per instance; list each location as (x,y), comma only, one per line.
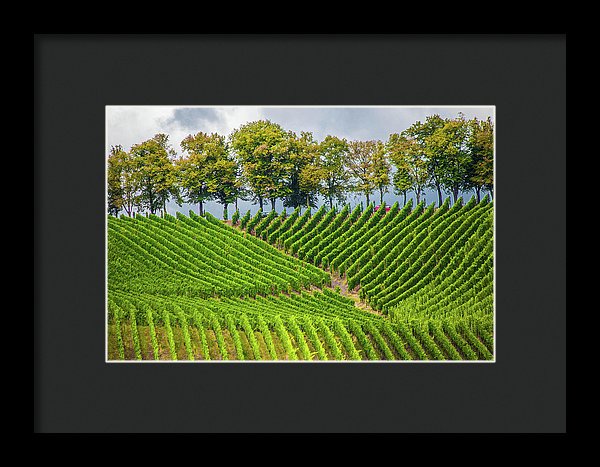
(302,228)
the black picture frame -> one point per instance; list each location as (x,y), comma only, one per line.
(76,76)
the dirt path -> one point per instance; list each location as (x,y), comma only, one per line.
(342,283)
(337,281)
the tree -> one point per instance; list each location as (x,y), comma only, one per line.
(131,183)
(167,174)
(223,181)
(300,156)
(419,133)
(115,194)
(152,160)
(412,166)
(201,151)
(333,160)
(402,180)
(261,148)
(123,182)
(480,145)
(448,144)
(380,170)
(310,180)
(367,168)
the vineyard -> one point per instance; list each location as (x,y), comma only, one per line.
(416,284)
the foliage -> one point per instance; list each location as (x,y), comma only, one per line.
(365,164)
(333,154)
(262,161)
(261,148)
(205,159)
(156,174)
(114,179)
(412,173)
(480,144)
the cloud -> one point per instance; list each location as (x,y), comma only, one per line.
(129,125)
(193,117)
(361,123)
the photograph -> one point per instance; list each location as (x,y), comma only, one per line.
(300,234)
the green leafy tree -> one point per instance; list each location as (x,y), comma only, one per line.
(152,160)
(480,145)
(123,182)
(223,181)
(402,183)
(333,160)
(401,179)
(419,132)
(310,182)
(367,168)
(380,170)
(412,166)
(194,168)
(167,175)
(115,194)
(130,182)
(262,148)
(242,192)
(303,170)
(449,144)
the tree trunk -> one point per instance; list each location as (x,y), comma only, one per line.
(151,203)
(225,211)
(455,193)
(380,196)
(439,194)
(330,203)
(477,192)
(404,199)
(236,204)
(273,204)
(367,198)
(260,202)
(418,193)
(200,209)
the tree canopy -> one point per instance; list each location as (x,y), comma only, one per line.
(333,158)
(155,173)
(262,161)
(261,148)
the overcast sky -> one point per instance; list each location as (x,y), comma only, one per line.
(129,125)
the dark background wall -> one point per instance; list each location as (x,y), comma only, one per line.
(76,76)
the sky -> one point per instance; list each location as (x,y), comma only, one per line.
(129,125)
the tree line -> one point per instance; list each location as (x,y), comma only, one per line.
(262,162)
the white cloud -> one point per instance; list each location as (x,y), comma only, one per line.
(234,117)
(129,125)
